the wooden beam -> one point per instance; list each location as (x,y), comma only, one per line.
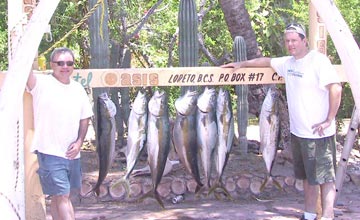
(176,76)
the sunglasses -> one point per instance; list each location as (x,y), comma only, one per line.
(62,63)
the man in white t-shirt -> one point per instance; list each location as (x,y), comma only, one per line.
(62,111)
(313,93)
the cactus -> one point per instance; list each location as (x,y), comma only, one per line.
(188,37)
(239,51)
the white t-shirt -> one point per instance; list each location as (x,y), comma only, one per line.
(307,96)
(58,109)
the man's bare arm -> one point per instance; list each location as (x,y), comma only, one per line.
(31,82)
(257,62)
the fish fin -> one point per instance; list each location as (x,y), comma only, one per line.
(145,171)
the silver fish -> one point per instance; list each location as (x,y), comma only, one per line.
(136,135)
(269,131)
(225,130)
(105,136)
(184,134)
(136,131)
(206,129)
(158,139)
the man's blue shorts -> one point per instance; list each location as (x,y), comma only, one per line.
(58,175)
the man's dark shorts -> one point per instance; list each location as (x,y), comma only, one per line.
(314,159)
(58,175)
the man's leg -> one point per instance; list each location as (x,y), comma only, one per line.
(328,194)
(61,208)
(53,209)
(311,196)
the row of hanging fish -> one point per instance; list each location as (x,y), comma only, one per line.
(202,135)
(203,129)
(208,132)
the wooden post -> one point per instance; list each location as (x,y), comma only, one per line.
(317,41)
(317,31)
(344,41)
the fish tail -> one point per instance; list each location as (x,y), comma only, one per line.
(262,187)
(158,199)
(199,190)
(223,190)
(95,190)
(267,179)
(277,184)
(212,189)
(198,187)
(125,183)
(153,194)
(91,191)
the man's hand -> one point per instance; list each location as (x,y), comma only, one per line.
(73,150)
(320,127)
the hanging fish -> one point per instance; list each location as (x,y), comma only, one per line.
(269,132)
(136,135)
(105,137)
(184,134)
(158,139)
(206,130)
(225,130)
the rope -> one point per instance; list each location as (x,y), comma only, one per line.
(11,204)
(17,163)
(74,28)
(13,29)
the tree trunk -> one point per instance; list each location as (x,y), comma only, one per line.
(238,21)
(99,45)
(239,24)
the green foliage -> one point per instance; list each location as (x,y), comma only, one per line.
(350,10)
(269,19)
(66,16)
(213,28)
(3,36)
(154,38)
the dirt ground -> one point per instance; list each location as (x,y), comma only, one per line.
(272,204)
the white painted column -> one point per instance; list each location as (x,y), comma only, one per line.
(344,41)
(23,46)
